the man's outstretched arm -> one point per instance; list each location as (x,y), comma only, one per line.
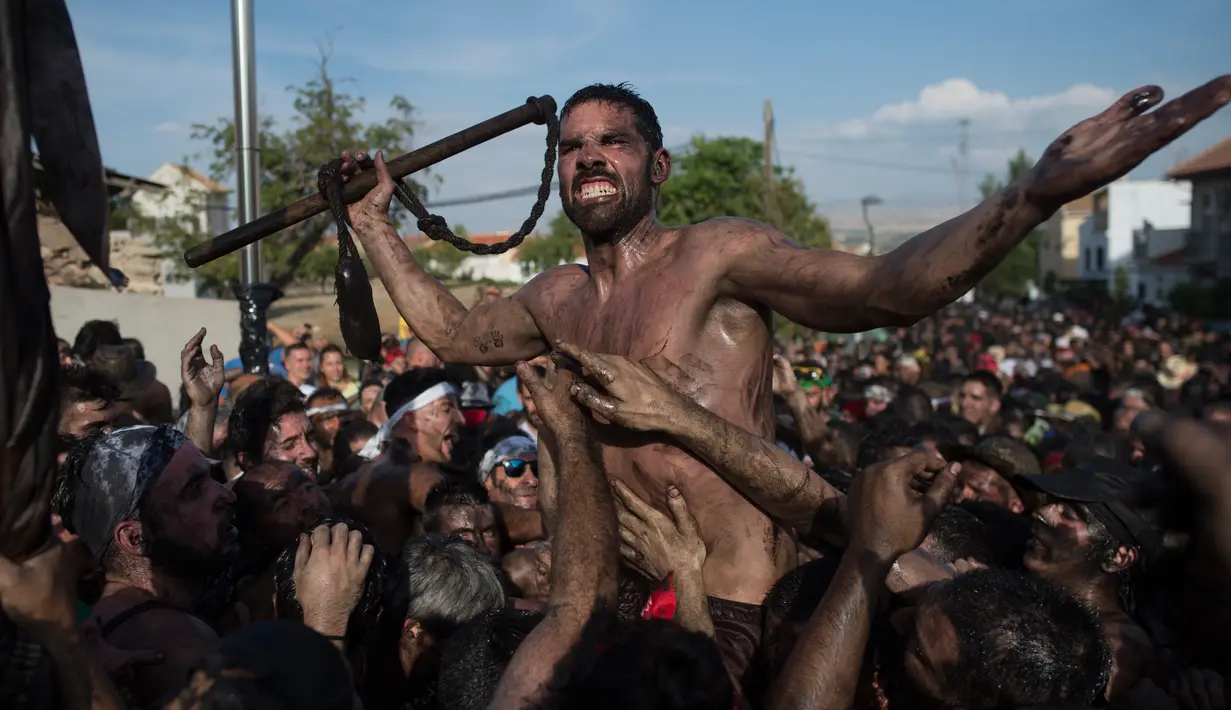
(839,292)
(497,333)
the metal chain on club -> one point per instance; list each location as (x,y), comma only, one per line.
(329,180)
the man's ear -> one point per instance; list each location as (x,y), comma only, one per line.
(660,170)
(130,538)
(411,629)
(1119,560)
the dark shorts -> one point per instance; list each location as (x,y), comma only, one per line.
(737,631)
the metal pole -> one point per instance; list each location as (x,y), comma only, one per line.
(254,296)
(247,149)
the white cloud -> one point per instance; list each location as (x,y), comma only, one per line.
(957,98)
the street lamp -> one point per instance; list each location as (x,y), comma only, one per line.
(867,202)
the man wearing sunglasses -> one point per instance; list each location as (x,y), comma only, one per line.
(510,472)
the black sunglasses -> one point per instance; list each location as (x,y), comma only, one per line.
(516,468)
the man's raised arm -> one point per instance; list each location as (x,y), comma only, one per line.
(497,333)
(584,548)
(838,292)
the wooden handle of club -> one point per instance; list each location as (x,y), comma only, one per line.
(535,110)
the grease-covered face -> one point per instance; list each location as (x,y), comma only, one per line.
(608,174)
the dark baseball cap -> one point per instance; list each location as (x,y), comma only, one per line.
(1125,499)
(1008,457)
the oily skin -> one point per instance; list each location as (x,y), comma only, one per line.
(1059,551)
(700,296)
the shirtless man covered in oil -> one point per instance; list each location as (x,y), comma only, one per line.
(701,296)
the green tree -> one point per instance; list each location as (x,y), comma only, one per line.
(721,177)
(441,259)
(1020,266)
(327,121)
(558,245)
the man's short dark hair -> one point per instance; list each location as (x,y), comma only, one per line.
(913,405)
(988,380)
(640,665)
(1021,641)
(324,393)
(258,408)
(94,334)
(477,654)
(363,617)
(411,384)
(286,352)
(966,531)
(79,383)
(345,461)
(136,346)
(450,493)
(624,96)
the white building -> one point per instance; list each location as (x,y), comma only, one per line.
(1092,248)
(1126,205)
(188,193)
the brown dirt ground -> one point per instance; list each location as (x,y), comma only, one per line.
(318,309)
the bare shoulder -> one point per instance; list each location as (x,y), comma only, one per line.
(551,283)
(732,237)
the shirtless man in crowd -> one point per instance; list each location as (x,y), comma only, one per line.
(700,297)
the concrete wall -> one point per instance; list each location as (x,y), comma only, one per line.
(162,324)
(1166,205)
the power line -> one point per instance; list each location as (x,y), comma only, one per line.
(843,160)
(489,196)
(530,190)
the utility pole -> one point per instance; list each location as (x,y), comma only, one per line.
(767,168)
(963,152)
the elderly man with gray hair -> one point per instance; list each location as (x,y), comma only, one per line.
(448,583)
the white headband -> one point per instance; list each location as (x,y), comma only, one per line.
(372,449)
(510,448)
(335,407)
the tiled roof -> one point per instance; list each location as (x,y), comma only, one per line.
(1216,157)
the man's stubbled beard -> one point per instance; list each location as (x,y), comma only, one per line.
(181,561)
(607,223)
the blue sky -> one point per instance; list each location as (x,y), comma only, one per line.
(867,95)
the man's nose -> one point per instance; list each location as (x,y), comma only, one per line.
(590,156)
(226,495)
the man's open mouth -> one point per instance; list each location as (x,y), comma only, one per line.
(596,189)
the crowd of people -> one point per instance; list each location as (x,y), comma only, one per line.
(660,505)
(990,509)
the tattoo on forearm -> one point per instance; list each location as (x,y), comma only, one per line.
(494,339)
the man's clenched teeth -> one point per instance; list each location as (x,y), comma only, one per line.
(597,188)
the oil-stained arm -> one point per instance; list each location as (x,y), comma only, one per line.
(584,550)
(497,333)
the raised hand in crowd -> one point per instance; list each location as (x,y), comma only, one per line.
(662,547)
(331,565)
(584,545)
(890,510)
(203,381)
